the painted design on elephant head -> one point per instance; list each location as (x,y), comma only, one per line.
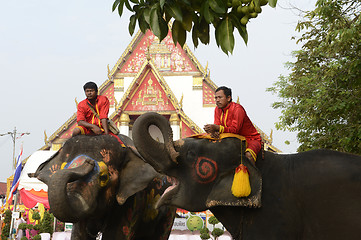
(106,155)
(151,212)
(205,170)
(53,169)
(76,162)
(99,167)
(103,174)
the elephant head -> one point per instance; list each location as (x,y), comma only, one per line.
(199,167)
(89,174)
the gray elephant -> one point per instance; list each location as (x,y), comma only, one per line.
(311,196)
(102,186)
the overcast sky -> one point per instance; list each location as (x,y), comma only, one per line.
(49,49)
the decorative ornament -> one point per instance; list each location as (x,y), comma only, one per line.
(45,138)
(241,186)
(194,223)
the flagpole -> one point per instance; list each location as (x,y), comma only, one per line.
(13,136)
(12,219)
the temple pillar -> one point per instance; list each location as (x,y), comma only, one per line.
(174,124)
(124,124)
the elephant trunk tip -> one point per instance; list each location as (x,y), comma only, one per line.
(31,175)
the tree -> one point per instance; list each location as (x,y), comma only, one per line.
(6,229)
(216,232)
(321,97)
(194,16)
(46,225)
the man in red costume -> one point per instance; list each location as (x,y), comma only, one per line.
(230,117)
(88,122)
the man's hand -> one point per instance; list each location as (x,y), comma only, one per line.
(250,157)
(211,128)
(105,125)
(96,129)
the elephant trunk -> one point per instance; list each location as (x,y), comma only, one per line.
(160,155)
(69,206)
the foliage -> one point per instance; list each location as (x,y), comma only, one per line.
(36,227)
(59,226)
(6,229)
(322,94)
(30,226)
(213,220)
(204,233)
(46,225)
(23,226)
(36,215)
(7,217)
(36,237)
(24,238)
(194,16)
(216,231)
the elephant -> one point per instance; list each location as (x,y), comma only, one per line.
(103,186)
(311,195)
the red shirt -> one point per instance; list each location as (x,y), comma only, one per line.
(234,119)
(85,114)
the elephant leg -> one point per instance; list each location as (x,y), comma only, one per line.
(81,231)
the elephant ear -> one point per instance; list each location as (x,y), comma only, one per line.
(134,177)
(221,194)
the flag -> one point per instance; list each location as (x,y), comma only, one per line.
(22,134)
(16,180)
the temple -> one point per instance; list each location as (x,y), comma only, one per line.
(159,77)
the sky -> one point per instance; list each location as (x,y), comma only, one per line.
(49,49)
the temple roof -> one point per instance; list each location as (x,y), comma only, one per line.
(147,62)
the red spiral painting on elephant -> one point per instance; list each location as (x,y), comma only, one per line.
(206,170)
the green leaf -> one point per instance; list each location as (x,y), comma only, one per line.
(218,36)
(174,10)
(195,36)
(241,28)
(226,35)
(143,25)
(132,22)
(120,7)
(167,17)
(135,1)
(272,3)
(128,5)
(187,21)
(218,6)
(154,22)
(257,3)
(161,3)
(179,34)
(206,13)
(203,32)
(186,2)
(115,5)
(163,28)
(146,14)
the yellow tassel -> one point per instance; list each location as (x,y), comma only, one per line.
(241,186)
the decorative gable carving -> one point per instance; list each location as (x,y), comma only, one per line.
(149,95)
(166,56)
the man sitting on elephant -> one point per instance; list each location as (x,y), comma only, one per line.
(92,114)
(230,117)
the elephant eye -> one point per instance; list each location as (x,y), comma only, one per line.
(103,179)
(191,156)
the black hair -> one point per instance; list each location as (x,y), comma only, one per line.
(90,85)
(227,91)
